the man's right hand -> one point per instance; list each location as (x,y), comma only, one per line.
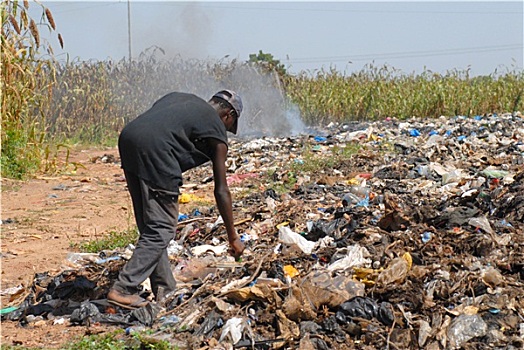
(236,248)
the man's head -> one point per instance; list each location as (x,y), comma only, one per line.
(230,100)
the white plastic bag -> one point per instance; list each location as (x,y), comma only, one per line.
(233,328)
(287,236)
(356,256)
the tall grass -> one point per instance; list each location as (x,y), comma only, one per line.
(25,87)
(378,92)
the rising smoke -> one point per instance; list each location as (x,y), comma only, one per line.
(266,109)
(267,112)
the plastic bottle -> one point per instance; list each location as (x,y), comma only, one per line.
(350,199)
(465,327)
(357,196)
(426,237)
(272,282)
(168,321)
(134,329)
(360,191)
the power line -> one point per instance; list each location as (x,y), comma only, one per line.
(407,54)
(353,10)
(62,7)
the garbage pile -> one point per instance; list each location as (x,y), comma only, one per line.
(415,241)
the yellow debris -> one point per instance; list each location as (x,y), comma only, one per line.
(408,259)
(291,271)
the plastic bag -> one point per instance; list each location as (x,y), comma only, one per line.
(396,271)
(481,222)
(321,289)
(146,315)
(212,321)
(364,307)
(194,269)
(322,228)
(232,330)
(356,256)
(287,236)
(452,177)
(85,314)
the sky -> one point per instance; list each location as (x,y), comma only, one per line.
(411,36)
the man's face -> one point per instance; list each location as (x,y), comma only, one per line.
(231,121)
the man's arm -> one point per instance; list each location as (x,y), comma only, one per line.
(223,195)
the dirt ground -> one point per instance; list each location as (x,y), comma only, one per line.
(42,221)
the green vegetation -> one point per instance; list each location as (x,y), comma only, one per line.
(107,341)
(118,341)
(316,160)
(268,62)
(115,340)
(379,92)
(24,88)
(110,241)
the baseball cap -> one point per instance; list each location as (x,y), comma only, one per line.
(234,100)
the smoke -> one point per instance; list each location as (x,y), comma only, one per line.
(294,119)
(186,35)
(267,112)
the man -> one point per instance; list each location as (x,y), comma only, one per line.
(180,131)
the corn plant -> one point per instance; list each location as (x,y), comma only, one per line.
(378,92)
(92,101)
(25,87)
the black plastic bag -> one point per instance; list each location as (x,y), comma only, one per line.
(364,307)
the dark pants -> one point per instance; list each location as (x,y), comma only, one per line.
(156,213)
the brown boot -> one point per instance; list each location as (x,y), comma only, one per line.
(127,301)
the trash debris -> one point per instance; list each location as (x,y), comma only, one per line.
(416,241)
(233,330)
(367,308)
(288,237)
(464,328)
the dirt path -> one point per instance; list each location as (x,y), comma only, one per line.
(43,219)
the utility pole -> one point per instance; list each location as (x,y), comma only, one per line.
(129,27)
